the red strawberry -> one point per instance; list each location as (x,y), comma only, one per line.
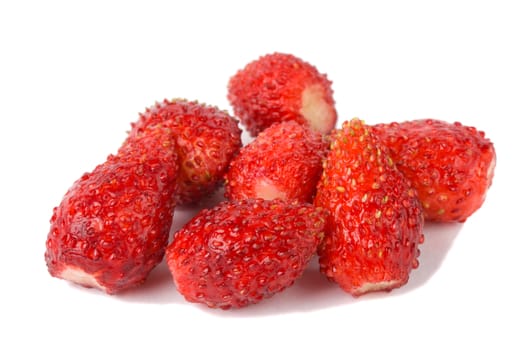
(375,217)
(207,139)
(450,165)
(284,161)
(240,252)
(279,87)
(111,228)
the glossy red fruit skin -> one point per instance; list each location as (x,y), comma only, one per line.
(206,141)
(240,252)
(286,155)
(113,223)
(450,165)
(269,90)
(374,216)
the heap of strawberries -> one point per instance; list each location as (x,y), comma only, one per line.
(356,196)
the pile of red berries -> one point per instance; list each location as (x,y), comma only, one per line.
(357,196)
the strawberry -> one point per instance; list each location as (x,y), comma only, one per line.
(450,165)
(284,161)
(375,217)
(239,252)
(111,228)
(206,138)
(279,87)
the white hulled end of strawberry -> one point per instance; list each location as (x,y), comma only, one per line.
(490,171)
(320,115)
(377,286)
(267,190)
(80,277)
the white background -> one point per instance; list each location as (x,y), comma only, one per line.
(74,75)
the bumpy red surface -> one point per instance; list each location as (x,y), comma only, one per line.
(284,161)
(376,220)
(270,89)
(240,252)
(113,223)
(207,139)
(450,165)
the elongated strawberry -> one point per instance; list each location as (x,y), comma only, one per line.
(206,141)
(241,252)
(284,161)
(111,228)
(450,165)
(375,217)
(279,87)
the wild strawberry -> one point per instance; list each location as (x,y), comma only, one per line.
(206,141)
(284,161)
(111,228)
(376,220)
(240,252)
(279,87)
(450,165)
